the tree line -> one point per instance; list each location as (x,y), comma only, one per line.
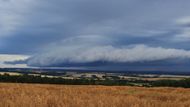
(108,82)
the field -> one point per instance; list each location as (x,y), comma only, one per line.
(36,95)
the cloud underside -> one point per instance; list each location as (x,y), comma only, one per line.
(95,32)
(49,21)
(12,58)
(105,55)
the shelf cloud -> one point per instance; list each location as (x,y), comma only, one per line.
(135,53)
(85,31)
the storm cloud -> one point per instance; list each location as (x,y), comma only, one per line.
(86,31)
(85,50)
(137,53)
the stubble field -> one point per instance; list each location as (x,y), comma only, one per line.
(37,95)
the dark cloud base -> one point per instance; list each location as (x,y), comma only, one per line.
(168,65)
(31,27)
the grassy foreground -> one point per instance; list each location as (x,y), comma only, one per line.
(36,95)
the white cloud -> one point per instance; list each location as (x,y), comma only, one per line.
(134,53)
(183,21)
(184,35)
(183,30)
(7,57)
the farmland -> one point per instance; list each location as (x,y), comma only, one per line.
(37,95)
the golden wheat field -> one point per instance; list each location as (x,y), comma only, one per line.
(36,95)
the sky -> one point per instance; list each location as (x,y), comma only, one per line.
(128,34)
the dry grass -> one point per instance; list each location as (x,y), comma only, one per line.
(34,95)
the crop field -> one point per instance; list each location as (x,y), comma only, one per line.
(37,95)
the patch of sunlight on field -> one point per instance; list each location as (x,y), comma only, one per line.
(11,73)
(36,95)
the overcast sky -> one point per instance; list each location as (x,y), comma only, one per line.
(58,32)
